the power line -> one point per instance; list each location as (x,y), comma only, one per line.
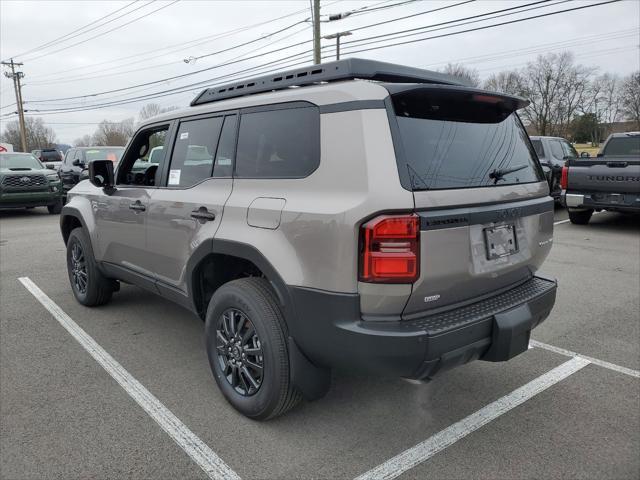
(201,40)
(57,39)
(483,27)
(107,31)
(373,48)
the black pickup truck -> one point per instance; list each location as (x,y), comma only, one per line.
(610,181)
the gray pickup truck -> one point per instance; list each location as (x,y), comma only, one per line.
(610,181)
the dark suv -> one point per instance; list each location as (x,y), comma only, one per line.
(378,218)
(76,161)
(50,157)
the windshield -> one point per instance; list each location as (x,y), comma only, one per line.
(20,161)
(113,154)
(623,146)
(443,154)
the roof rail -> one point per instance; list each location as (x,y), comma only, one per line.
(348,69)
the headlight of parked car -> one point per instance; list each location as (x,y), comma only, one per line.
(84,174)
(53,177)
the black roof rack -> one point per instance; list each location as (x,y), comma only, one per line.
(348,69)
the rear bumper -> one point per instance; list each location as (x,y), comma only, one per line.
(329,330)
(601,201)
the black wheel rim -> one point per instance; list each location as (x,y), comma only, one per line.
(78,269)
(239,352)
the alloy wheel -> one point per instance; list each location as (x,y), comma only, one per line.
(239,352)
(78,268)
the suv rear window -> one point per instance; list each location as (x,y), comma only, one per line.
(282,143)
(454,139)
(623,146)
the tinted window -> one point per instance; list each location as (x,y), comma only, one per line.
(279,143)
(568,150)
(192,158)
(226,148)
(537,145)
(623,146)
(556,149)
(452,154)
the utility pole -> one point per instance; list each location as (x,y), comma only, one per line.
(16,76)
(316,32)
(337,37)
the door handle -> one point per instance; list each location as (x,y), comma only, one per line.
(203,215)
(137,206)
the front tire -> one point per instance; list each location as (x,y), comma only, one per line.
(246,340)
(89,286)
(580,217)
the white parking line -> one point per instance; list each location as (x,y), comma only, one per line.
(425,450)
(199,452)
(595,361)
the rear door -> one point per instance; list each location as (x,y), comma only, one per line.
(486,219)
(186,211)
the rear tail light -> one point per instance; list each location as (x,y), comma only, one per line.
(564,178)
(390,249)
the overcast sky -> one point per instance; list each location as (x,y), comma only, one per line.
(164,33)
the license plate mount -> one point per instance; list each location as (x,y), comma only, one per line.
(500,241)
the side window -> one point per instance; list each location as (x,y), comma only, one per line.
(193,152)
(278,143)
(142,162)
(556,149)
(68,157)
(568,150)
(77,155)
(537,145)
(223,165)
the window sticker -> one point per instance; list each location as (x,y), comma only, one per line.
(174,177)
(184,135)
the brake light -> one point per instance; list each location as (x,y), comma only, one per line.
(390,249)
(564,178)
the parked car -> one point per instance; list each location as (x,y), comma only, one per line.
(26,183)
(76,161)
(374,226)
(553,152)
(610,181)
(50,157)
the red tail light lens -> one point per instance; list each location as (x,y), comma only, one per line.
(564,178)
(390,249)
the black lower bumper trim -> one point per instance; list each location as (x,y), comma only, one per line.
(328,329)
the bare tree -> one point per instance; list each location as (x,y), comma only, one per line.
(153,109)
(37,133)
(630,94)
(84,141)
(556,88)
(509,82)
(113,133)
(469,75)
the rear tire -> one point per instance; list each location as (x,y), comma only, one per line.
(56,208)
(89,286)
(580,217)
(244,318)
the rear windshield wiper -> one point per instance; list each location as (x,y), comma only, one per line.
(499,173)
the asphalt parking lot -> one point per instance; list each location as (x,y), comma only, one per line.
(545,414)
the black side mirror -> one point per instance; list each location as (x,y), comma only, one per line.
(101,175)
(77,163)
(50,167)
(585,155)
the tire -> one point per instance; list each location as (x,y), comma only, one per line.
(96,289)
(56,208)
(253,298)
(580,217)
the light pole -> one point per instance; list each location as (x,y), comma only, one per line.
(337,37)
